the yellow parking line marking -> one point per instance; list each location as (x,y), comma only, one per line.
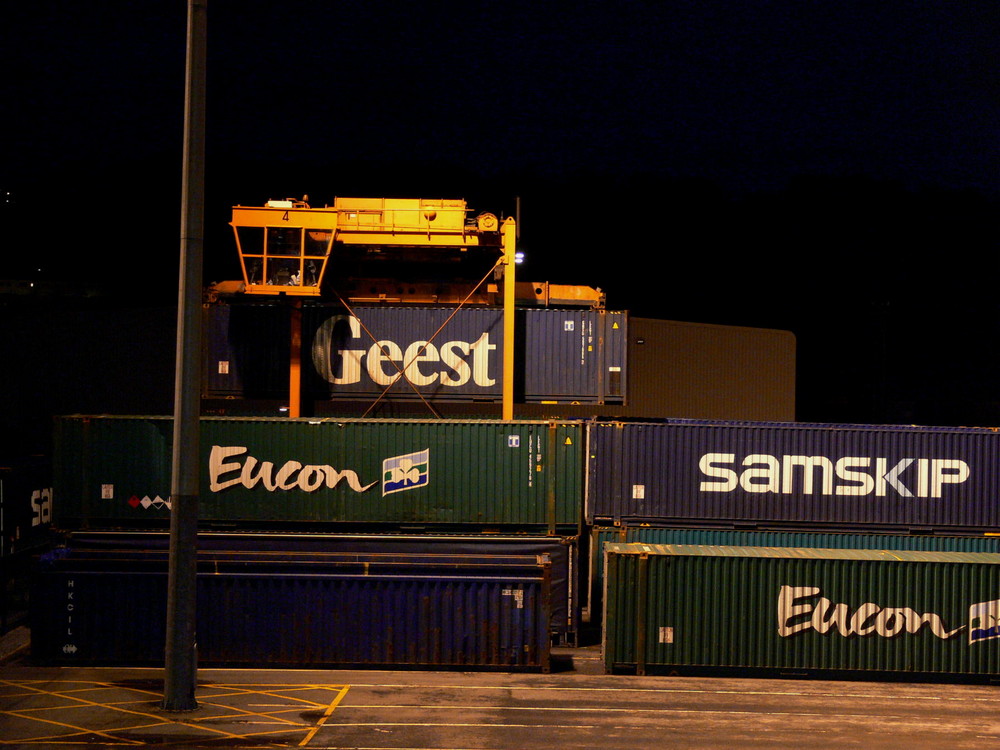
(71,697)
(75,730)
(326,715)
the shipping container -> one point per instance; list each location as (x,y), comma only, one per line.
(258,473)
(562,552)
(247,350)
(25,504)
(25,521)
(803,612)
(575,356)
(600,536)
(805,476)
(440,354)
(306,610)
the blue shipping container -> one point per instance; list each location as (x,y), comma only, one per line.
(25,505)
(406,610)
(562,553)
(435,353)
(797,475)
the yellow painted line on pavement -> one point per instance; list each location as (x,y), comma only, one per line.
(74,700)
(326,715)
(74,731)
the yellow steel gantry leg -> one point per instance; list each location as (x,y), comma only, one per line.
(509,233)
(295,362)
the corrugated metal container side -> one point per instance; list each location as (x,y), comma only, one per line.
(672,369)
(417,613)
(562,552)
(822,612)
(601,536)
(568,355)
(256,472)
(25,525)
(838,476)
(246,350)
(25,504)
(96,458)
(575,355)
(454,354)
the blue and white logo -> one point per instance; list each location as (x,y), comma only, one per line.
(984,621)
(408,472)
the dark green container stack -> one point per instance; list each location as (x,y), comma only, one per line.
(260,472)
(822,612)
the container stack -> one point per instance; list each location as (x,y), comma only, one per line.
(472,493)
(589,498)
(835,550)
(459,540)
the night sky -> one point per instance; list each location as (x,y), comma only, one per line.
(826,168)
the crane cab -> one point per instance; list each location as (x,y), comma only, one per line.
(284,246)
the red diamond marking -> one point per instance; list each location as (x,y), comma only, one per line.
(134,501)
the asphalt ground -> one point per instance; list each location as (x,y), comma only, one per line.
(575,706)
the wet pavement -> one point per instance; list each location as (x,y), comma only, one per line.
(576,706)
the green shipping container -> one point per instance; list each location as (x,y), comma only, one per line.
(599,536)
(822,612)
(115,471)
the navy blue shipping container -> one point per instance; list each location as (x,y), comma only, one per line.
(25,504)
(562,553)
(247,350)
(25,521)
(804,476)
(411,611)
(575,356)
(443,354)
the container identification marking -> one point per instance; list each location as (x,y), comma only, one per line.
(517,594)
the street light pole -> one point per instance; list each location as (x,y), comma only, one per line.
(180,655)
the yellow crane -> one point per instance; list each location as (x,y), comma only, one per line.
(288,247)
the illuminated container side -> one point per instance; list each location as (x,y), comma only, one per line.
(807,612)
(600,536)
(795,475)
(409,353)
(115,472)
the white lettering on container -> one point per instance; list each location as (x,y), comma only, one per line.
(846,476)
(798,611)
(422,363)
(292,475)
